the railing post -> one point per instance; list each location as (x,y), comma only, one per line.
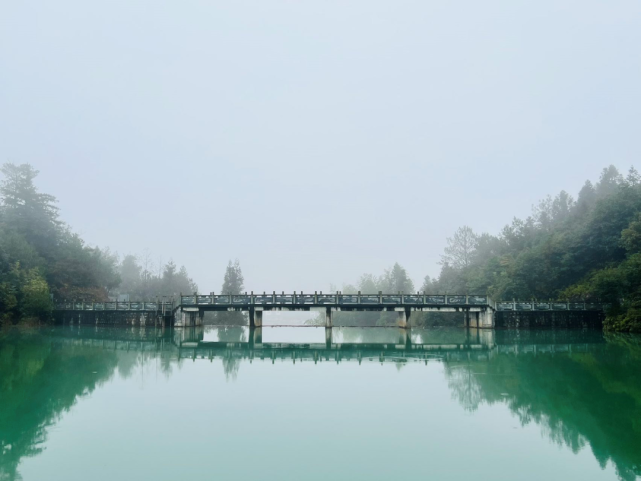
(423,297)
(402,297)
(273,297)
(380,297)
(294,298)
(315,297)
(445,298)
(358,299)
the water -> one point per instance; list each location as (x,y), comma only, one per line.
(448,404)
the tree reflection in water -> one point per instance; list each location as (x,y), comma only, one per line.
(588,394)
(577,398)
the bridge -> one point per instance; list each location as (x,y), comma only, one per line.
(188,310)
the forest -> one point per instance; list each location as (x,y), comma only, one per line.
(42,259)
(587,249)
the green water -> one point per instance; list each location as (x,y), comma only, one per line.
(131,404)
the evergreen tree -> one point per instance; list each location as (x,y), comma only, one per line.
(31,213)
(233,283)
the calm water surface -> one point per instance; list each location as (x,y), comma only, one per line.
(295,404)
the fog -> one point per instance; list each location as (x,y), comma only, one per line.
(313,141)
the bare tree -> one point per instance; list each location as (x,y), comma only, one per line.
(460,248)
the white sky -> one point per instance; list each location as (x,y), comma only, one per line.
(314,141)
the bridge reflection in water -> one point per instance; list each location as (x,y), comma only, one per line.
(340,344)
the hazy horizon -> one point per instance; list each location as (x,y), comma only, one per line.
(316,141)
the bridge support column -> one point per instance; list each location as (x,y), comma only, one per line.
(258,319)
(402,318)
(255,336)
(200,318)
(486,318)
(328,338)
(472,319)
(328,317)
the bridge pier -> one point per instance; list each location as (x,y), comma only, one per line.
(255,336)
(403,320)
(472,319)
(486,318)
(328,338)
(328,317)
(255,318)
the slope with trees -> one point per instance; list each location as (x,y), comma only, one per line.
(586,249)
(41,259)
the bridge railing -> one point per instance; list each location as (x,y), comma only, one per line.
(549,306)
(319,299)
(166,306)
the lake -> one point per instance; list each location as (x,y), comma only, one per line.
(306,403)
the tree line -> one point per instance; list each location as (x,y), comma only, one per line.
(43,260)
(588,249)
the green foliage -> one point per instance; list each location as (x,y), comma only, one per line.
(584,250)
(39,256)
(36,300)
(24,294)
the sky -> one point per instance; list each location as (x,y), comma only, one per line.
(313,141)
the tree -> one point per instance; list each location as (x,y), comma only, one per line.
(36,302)
(633,178)
(30,212)
(460,248)
(396,280)
(631,237)
(130,277)
(609,181)
(368,284)
(233,283)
